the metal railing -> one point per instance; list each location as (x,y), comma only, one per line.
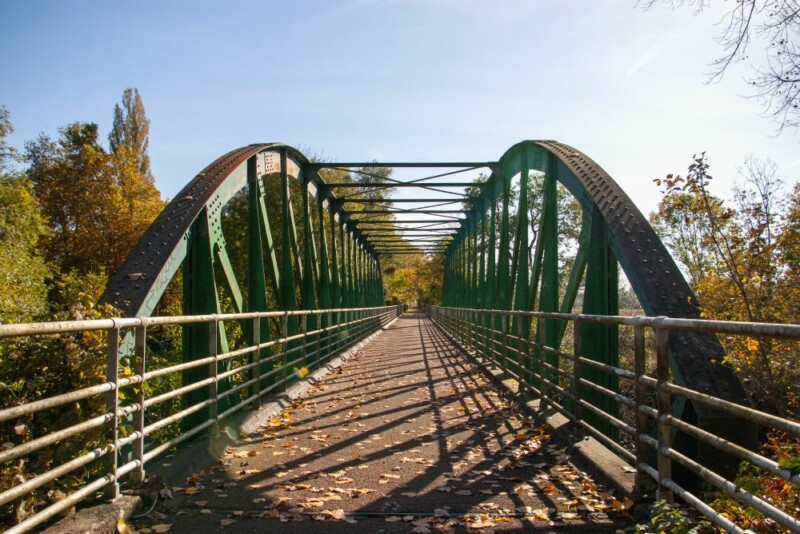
(487,334)
(263,367)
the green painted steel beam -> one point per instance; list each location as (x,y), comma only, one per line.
(394,164)
(392,185)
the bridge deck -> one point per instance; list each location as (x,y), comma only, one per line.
(409,435)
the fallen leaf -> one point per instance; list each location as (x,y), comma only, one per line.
(226,522)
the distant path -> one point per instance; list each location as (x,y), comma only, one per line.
(406,431)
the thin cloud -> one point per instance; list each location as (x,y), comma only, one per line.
(656,51)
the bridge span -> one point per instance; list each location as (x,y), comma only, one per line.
(267,266)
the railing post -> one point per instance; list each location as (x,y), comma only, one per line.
(213,393)
(284,346)
(643,481)
(504,326)
(322,323)
(304,349)
(663,396)
(524,357)
(140,349)
(255,390)
(112,406)
(577,410)
(544,373)
(472,337)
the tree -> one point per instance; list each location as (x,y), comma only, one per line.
(7,153)
(686,234)
(776,77)
(23,292)
(131,129)
(752,248)
(97,204)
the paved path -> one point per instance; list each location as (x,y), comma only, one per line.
(408,436)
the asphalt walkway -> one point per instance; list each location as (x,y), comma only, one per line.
(408,436)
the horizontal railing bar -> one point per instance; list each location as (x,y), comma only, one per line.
(733,449)
(627,401)
(48,476)
(194,386)
(734,409)
(149,375)
(53,402)
(86,325)
(64,504)
(161,423)
(54,437)
(698,325)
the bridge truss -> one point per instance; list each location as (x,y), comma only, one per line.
(325,250)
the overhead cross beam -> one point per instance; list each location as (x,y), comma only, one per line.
(404,164)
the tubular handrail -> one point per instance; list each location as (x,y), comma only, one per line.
(478,331)
(341,330)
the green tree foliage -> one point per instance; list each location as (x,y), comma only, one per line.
(131,129)
(22,279)
(413,278)
(23,293)
(96,203)
(748,253)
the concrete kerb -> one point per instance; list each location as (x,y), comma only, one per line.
(100,519)
(588,453)
(103,518)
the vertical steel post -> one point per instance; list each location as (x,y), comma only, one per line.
(288,299)
(643,481)
(664,410)
(600,341)
(255,389)
(112,407)
(548,301)
(503,299)
(213,393)
(304,348)
(256,276)
(504,326)
(577,409)
(284,348)
(140,352)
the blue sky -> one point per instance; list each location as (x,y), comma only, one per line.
(402,80)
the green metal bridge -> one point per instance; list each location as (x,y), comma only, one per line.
(276,263)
